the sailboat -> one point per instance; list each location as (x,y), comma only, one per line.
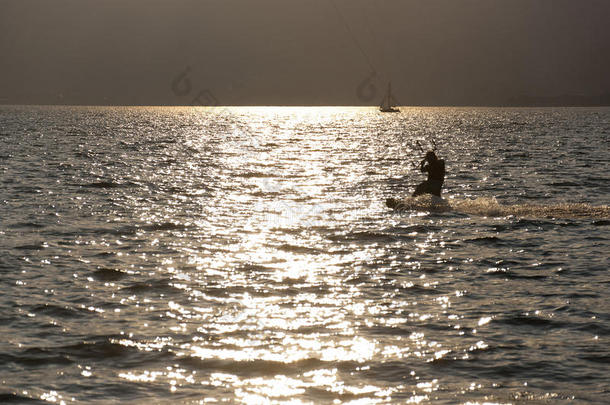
(388,102)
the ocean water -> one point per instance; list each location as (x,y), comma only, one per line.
(246,255)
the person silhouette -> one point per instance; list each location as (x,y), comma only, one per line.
(435,168)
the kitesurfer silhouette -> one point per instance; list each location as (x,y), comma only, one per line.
(435,168)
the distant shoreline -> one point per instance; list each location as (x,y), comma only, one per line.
(314,105)
(520,101)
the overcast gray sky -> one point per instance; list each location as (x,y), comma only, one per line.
(301,52)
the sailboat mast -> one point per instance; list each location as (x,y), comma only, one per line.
(387,101)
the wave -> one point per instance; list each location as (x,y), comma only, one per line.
(108,184)
(19,399)
(489,206)
(105,274)
(163,286)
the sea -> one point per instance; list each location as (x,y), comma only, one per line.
(205,255)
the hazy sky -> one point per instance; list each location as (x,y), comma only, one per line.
(300,52)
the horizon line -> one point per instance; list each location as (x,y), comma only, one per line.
(310,105)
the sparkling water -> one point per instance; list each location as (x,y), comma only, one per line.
(246,255)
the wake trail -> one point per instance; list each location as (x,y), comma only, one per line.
(489,206)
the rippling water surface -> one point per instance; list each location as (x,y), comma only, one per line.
(245,255)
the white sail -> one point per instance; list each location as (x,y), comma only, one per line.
(388,101)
